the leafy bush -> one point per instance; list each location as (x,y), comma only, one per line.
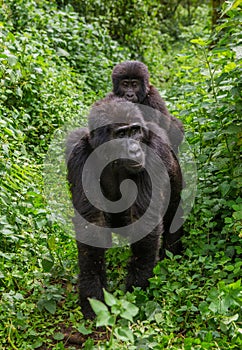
(51,63)
(211,106)
(134,24)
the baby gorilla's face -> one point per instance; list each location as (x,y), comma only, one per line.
(130,89)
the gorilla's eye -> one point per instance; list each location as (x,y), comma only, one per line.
(135,130)
(134,85)
(120,133)
(125,84)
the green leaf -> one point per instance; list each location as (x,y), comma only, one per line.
(47,263)
(225,188)
(58,336)
(61,52)
(89,344)
(151,308)
(209,135)
(228,320)
(224,327)
(12,60)
(236,3)
(124,334)
(110,300)
(50,305)
(237,215)
(159,318)
(98,306)
(235,286)
(19,92)
(37,344)
(52,243)
(83,330)
(232,5)
(199,41)
(130,310)
(105,319)
(10,37)
(230,66)
(169,254)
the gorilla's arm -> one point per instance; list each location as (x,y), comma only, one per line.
(171,240)
(91,260)
(78,150)
(173,126)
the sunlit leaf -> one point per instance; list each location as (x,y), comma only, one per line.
(109,298)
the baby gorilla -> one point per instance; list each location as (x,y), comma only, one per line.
(125,147)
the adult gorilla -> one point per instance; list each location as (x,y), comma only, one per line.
(139,152)
(131,81)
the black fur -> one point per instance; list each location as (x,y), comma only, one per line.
(145,252)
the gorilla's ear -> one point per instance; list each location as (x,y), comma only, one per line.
(93,138)
(99,136)
(147,89)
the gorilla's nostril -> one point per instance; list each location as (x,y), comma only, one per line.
(138,153)
(134,147)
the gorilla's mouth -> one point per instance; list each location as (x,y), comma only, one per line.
(128,164)
(132,99)
(134,166)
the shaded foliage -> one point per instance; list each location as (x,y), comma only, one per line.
(135,23)
(40,49)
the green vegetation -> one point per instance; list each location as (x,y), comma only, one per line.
(55,61)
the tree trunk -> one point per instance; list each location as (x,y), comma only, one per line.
(216,8)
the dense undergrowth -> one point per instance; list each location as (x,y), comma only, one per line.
(54,64)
